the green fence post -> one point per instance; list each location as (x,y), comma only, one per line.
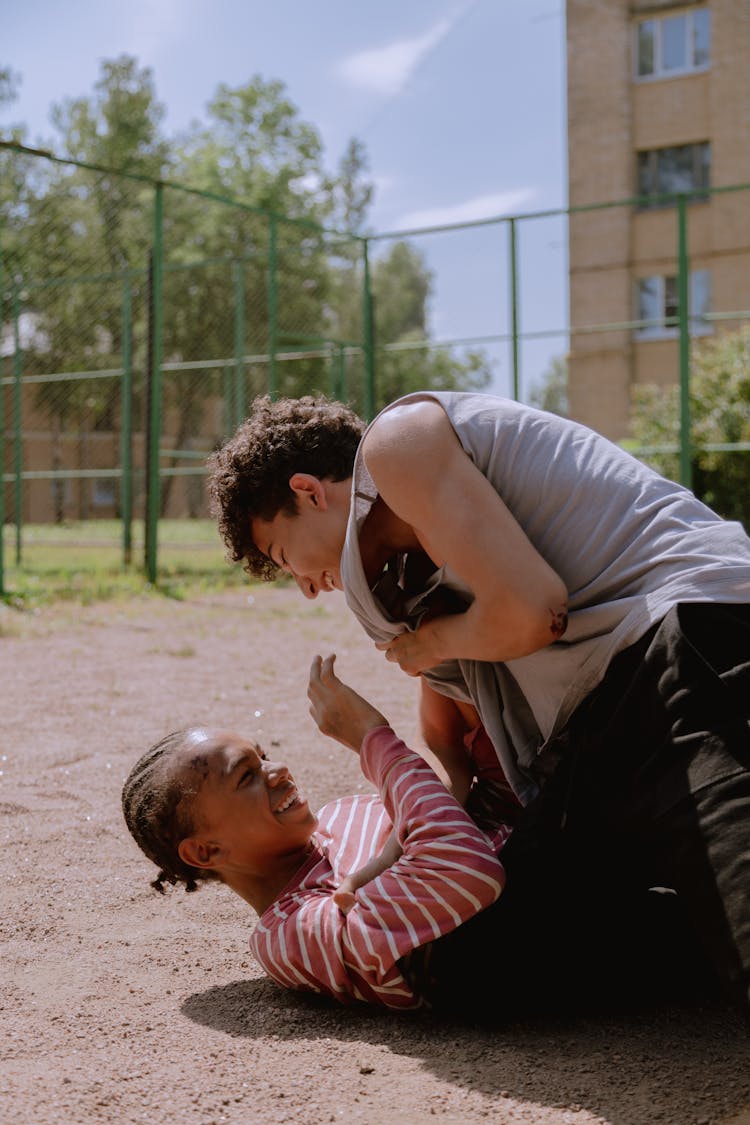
(683,316)
(273,309)
(340,373)
(514,308)
(238,279)
(17,423)
(2,446)
(126,422)
(368,326)
(153,492)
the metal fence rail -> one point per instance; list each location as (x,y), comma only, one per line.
(139,318)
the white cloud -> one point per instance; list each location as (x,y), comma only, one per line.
(480,207)
(386,70)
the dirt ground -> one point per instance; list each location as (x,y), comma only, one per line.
(121,1006)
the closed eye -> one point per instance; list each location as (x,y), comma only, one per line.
(250,771)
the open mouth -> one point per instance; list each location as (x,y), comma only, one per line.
(290,801)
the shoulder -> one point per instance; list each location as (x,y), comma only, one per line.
(407,431)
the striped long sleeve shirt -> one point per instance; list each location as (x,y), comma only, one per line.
(448,871)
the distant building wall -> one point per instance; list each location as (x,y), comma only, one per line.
(613,115)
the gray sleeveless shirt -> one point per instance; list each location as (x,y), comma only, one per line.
(627,543)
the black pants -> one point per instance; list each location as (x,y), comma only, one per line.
(652,790)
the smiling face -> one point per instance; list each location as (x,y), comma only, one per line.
(308,543)
(248,815)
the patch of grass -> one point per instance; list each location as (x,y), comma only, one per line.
(183,652)
(83,562)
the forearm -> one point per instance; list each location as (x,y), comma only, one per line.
(452,765)
(485,632)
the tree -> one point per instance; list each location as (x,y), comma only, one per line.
(86,234)
(267,276)
(350,192)
(407,361)
(230,264)
(720,413)
(551,393)
(9,82)
(255,149)
(16,176)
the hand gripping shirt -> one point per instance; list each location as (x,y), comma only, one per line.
(448,871)
(627,543)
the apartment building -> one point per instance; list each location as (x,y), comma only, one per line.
(658,103)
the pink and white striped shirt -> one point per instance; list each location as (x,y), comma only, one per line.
(447,873)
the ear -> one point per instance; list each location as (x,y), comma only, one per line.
(199,853)
(309,490)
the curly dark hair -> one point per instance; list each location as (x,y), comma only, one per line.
(249,476)
(157,810)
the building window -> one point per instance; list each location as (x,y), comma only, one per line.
(103,492)
(664,171)
(673,44)
(658,307)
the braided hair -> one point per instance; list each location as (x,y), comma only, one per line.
(157,810)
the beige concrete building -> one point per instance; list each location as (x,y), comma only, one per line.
(658,102)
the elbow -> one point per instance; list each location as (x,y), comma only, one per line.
(534,624)
(557,611)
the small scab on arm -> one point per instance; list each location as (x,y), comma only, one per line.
(558,622)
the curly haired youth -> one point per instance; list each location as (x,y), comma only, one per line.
(157,811)
(249,476)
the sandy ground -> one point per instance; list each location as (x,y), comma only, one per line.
(121,1006)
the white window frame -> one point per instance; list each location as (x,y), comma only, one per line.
(658,329)
(660,72)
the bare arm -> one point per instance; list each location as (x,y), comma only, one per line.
(345,895)
(443,728)
(424,476)
(341,713)
(337,709)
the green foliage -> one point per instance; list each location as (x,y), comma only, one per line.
(254,149)
(407,361)
(551,393)
(76,244)
(720,413)
(8,85)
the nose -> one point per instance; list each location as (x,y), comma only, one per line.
(306,585)
(276,773)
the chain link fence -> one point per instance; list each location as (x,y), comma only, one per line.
(138,320)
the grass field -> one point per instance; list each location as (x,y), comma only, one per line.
(85,561)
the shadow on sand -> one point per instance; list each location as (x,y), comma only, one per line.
(689,1065)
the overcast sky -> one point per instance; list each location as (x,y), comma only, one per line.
(460,104)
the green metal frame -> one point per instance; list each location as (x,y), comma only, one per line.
(17,426)
(281,346)
(683,317)
(126,427)
(153,484)
(2,446)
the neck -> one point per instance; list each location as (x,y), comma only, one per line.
(382,536)
(261,891)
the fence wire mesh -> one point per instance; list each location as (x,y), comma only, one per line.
(138,321)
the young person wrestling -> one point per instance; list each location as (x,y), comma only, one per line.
(206,804)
